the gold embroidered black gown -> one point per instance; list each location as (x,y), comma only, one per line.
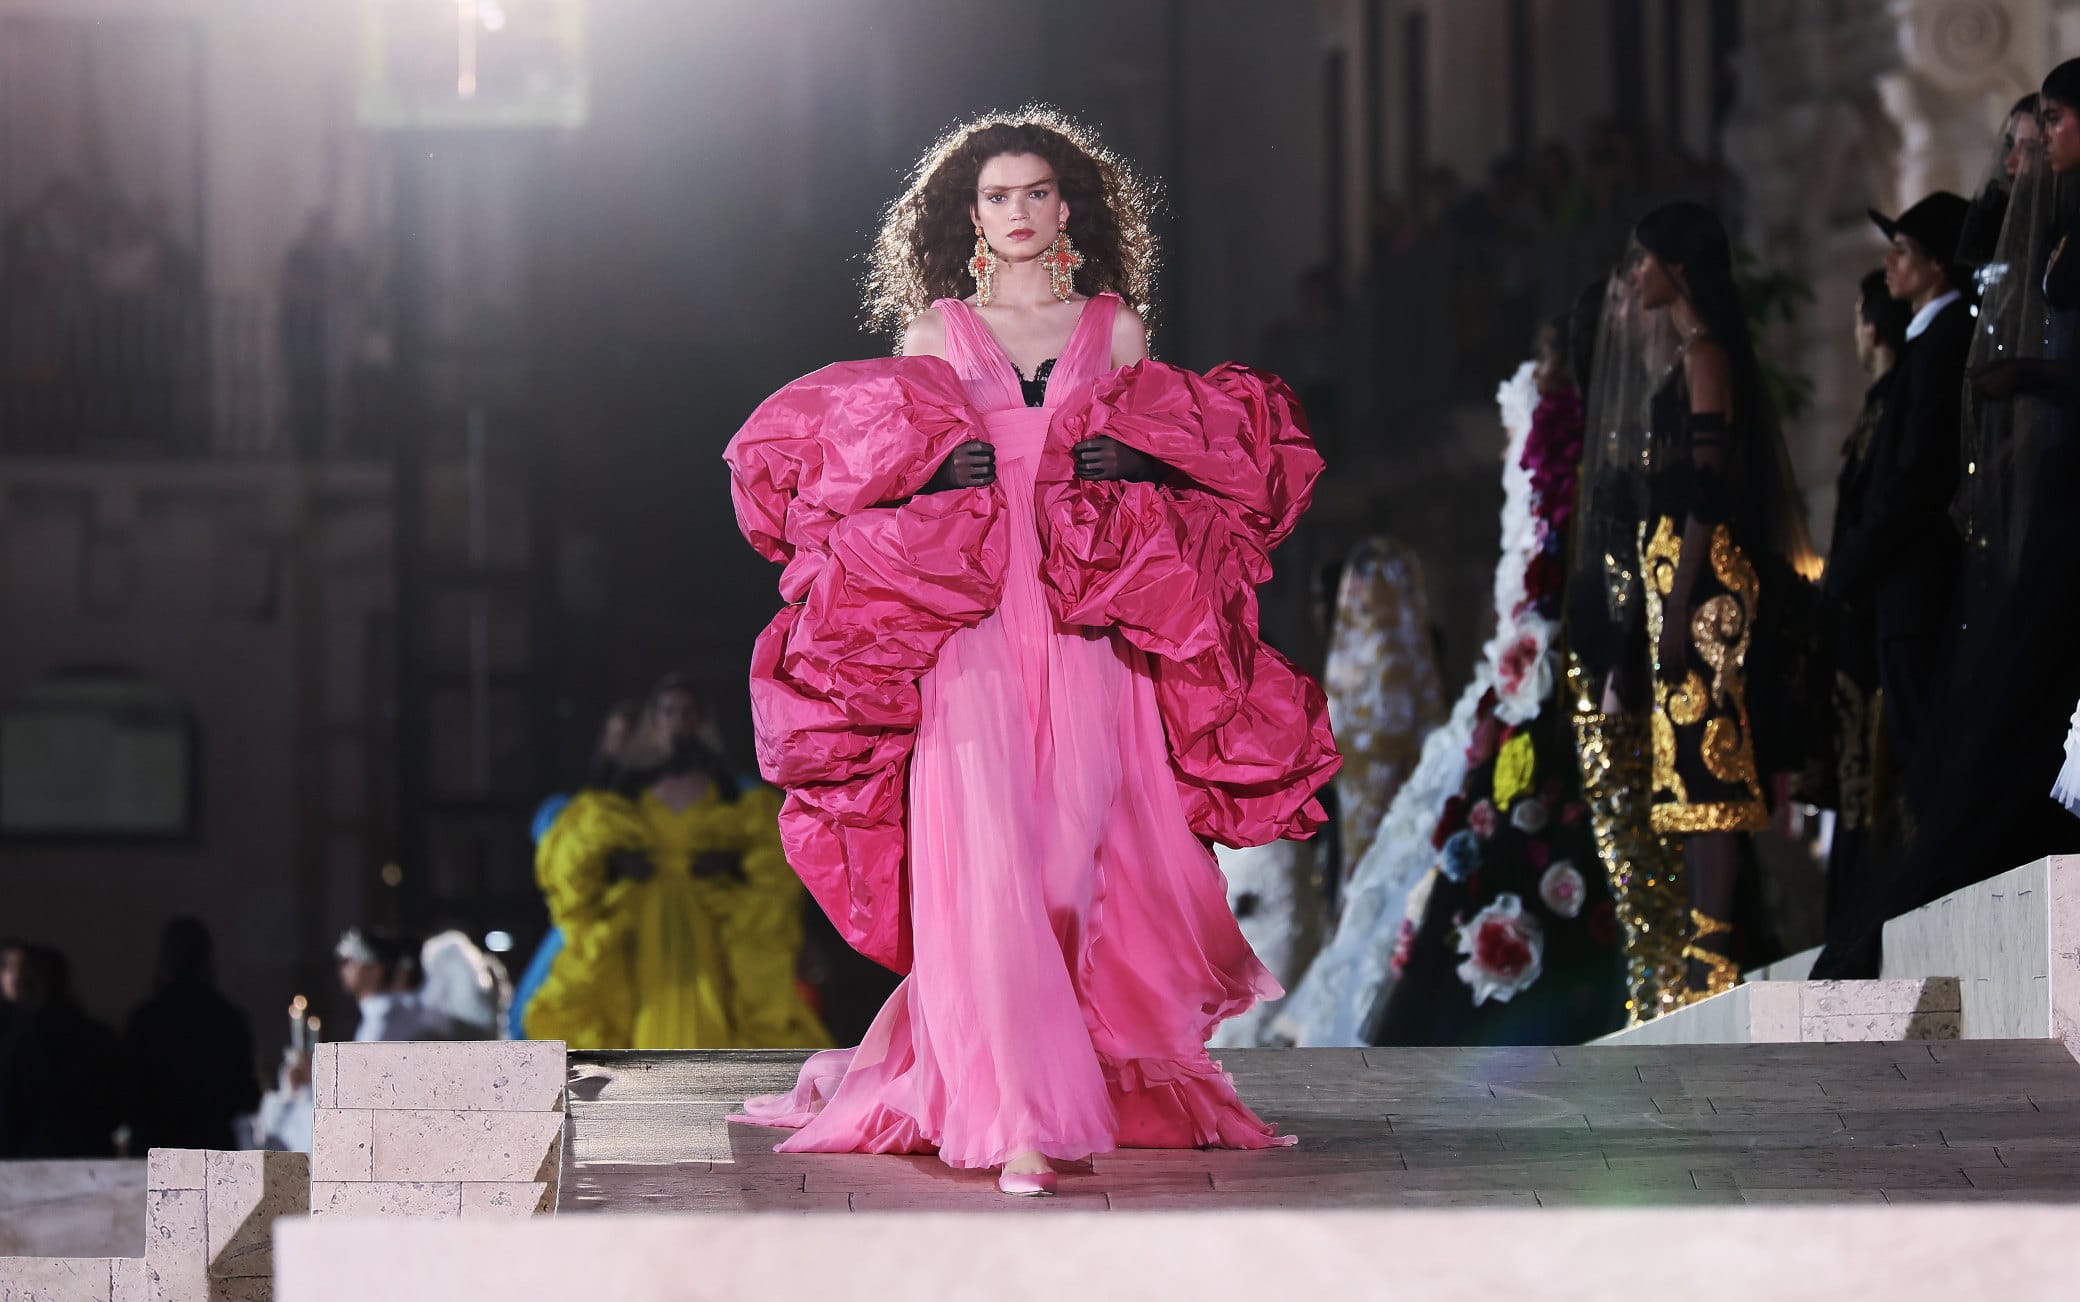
(1705,776)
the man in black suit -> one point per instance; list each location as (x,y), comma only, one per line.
(1902,554)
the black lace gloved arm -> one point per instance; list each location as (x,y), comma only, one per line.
(1106,458)
(971,465)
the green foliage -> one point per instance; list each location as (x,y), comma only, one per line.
(1772,297)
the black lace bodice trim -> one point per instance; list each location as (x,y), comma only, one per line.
(1035,389)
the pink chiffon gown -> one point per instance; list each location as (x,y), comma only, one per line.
(1074,947)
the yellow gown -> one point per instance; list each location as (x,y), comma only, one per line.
(676,962)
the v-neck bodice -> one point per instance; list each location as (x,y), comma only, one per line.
(994,384)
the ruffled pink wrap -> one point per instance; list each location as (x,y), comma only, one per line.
(876,593)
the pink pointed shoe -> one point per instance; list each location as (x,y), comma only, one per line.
(1026,1184)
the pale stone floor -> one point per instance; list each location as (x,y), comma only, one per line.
(1922,1122)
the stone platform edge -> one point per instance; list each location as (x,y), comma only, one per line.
(1810,1012)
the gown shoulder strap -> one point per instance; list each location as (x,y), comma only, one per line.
(969,346)
(1088,353)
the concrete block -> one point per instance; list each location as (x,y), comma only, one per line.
(1772,1012)
(127,1280)
(1881,1028)
(387,1199)
(2062,886)
(343,1145)
(247,1194)
(325,1076)
(483,1076)
(176,1245)
(174,1168)
(498,1147)
(508,1201)
(1995,938)
(55,1279)
(1846,998)
(72,1208)
(1791,1012)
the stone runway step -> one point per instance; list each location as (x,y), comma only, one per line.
(1601,1125)
(1996,960)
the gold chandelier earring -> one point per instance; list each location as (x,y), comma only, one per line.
(1062,261)
(983,266)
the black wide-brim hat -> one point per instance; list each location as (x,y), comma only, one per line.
(1936,223)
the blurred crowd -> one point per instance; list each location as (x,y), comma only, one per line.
(109,342)
(183,1072)
(674,920)
(101,316)
(1458,276)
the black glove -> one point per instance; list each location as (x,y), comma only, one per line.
(971,465)
(1104,458)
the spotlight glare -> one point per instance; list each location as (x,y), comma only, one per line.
(499,942)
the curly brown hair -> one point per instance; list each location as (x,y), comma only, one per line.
(926,238)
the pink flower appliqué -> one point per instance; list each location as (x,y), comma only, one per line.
(1482,818)
(1518,662)
(1504,949)
(1528,816)
(1524,670)
(1487,735)
(1563,889)
(1404,945)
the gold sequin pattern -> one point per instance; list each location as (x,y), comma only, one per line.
(1711,717)
(1719,629)
(1725,752)
(1721,973)
(1644,869)
(1723,638)
(1685,702)
(1664,552)
(1693,820)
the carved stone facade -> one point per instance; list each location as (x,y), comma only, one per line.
(1859,104)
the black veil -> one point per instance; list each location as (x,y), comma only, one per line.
(1989,210)
(1638,349)
(2004,438)
(1759,472)
(1634,350)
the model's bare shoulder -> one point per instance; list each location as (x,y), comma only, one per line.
(1129,337)
(926,335)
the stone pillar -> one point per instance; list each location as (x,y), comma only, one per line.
(1962,63)
(1813,148)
